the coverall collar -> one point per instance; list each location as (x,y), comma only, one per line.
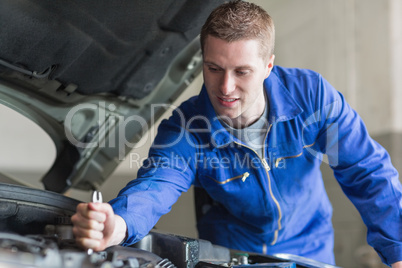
(282,107)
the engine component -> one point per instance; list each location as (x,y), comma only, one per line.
(36,231)
(18,251)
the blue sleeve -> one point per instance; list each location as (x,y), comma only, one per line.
(363,169)
(168,171)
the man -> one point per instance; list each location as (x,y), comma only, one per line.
(253,139)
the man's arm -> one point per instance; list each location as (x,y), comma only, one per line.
(363,169)
(97,227)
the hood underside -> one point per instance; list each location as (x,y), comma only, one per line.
(83,69)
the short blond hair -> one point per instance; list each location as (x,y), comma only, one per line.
(240,20)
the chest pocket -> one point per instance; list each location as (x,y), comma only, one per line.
(239,190)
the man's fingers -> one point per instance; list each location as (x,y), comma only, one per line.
(97,216)
(101,207)
(89,224)
(87,233)
(90,211)
(88,238)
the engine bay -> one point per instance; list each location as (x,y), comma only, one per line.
(36,231)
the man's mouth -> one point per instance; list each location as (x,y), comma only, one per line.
(227,100)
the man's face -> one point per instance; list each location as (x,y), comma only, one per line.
(233,76)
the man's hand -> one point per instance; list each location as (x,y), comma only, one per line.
(397,264)
(97,227)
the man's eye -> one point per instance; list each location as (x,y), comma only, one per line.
(240,73)
(213,69)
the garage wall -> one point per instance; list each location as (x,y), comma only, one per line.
(350,43)
(355,44)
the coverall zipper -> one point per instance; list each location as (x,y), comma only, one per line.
(243,177)
(267,169)
(279,159)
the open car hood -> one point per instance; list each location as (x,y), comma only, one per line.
(89,72)
(95,75)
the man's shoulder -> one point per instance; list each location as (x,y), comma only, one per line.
(304,86)
(293,73)
(297,81)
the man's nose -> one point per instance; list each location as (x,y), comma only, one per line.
(227,84)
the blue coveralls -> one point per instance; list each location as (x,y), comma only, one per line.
(274,203)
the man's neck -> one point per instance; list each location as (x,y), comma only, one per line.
(245,121)
(240,122)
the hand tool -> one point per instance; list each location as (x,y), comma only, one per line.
(96,198)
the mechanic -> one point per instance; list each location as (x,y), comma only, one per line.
(253,139)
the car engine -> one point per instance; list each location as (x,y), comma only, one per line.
(36,231)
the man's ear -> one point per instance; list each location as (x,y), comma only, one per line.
(270,65)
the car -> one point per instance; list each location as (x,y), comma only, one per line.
(95,75)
